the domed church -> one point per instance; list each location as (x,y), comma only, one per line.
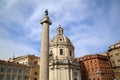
(62,62)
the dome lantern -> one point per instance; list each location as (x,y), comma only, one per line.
(59,30)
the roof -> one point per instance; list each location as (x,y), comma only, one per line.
(8,63)
(115,46)
(60,38)
(92,56)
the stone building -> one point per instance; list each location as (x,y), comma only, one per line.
(32,62)
(95,67)
(114,56)
(26,60)
(62,63)
(13,71)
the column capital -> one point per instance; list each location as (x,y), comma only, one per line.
(46,19)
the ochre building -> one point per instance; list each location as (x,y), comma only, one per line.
(114,56)
(13,71)
(32,62)
(95,67)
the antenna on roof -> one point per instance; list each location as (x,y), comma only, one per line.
(13,55)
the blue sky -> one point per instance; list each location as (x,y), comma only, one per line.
(92,25)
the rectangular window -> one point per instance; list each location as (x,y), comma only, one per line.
(111,55)
(8,70)
(2,69)
(20,70)
(91,61)
(1,77)
(116,54)
(92,69)
(13,77)
(8,77)
(70,52)
(75,73)
(19,77)
(15,70)
(88,70)
(119,62)
(26,71)
(112,62)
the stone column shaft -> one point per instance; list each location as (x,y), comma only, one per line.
(44,58)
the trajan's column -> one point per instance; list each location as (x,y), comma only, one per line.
(44,58)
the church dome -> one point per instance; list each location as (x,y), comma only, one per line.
(60,46)
(60,38)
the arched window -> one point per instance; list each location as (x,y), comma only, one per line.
(91,61)
(61,51)
(75,74)
(35,73)
(35,78)
(51,53)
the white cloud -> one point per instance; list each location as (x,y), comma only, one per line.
(87,23)
(8,48)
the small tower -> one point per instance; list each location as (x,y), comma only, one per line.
(44,58)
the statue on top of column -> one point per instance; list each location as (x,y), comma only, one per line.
(46,12)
